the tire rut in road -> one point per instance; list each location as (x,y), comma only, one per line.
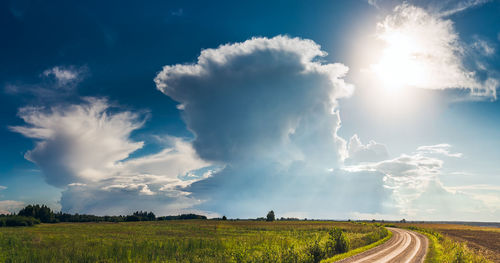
(404,246)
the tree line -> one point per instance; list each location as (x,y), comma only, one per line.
(36,214)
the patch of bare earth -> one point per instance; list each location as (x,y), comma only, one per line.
(484,242)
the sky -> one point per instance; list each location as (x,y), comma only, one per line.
(377,109)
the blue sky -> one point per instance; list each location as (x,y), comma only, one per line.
(332,109)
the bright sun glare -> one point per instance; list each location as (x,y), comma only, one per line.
(399,65)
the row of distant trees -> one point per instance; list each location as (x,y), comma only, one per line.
(35,214)
(46,215)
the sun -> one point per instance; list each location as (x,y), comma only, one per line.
(399,65)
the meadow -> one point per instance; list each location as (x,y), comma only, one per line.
(180,241)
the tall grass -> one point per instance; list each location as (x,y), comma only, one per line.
(176,241)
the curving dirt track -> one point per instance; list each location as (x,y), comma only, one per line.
(404,246)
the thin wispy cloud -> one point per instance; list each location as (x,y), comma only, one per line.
(178,12)
(460,6)
(53,84)
(483,47)
(439,8)
(63,76)
(10,206)
(371,152)
(443,149)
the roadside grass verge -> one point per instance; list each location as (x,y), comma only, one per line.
(443,249)
(358,250)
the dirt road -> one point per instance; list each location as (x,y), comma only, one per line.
(404,246)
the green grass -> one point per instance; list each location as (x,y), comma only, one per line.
(358,250)
(175,241)
(443,250)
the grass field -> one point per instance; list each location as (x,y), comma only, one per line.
(450,242)
(177,241)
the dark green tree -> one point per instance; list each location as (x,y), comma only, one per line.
(151,216)
(42,213)
(270,216)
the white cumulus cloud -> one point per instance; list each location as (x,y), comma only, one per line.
(78,143)
(265,97)
(266,108)
(85,148)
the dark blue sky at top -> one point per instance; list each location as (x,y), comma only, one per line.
(122,45)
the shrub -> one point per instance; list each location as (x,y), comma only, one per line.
(132,218)
(316,252)
(330,247)
(337,242)
(181,217)
(18,221)
(375,236)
